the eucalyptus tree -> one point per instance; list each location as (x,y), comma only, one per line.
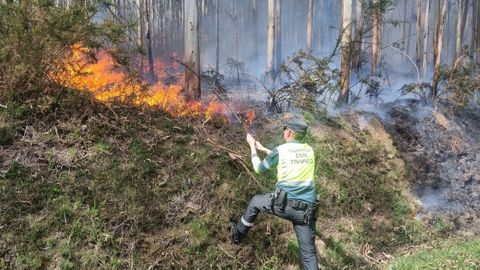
(270,35)
(191,55)
(309,25)
(376,34)
(437,42)
(278,36)
(425,39)
(418,35)
(359,31)
(346,38)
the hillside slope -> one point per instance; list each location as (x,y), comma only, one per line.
(89,185)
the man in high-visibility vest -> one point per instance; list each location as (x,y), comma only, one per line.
(294,198)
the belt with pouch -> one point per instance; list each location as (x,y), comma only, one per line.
(296,204)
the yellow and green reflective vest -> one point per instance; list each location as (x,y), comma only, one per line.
(295,164)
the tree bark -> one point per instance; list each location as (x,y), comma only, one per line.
(255,28)
(425,40)
(346,51)
(464,19)
(357,54)
(375,39)
(270,35)
(191,50)
(418,48)
(217,35)
(477,33)
(404,29)
(140,30)
(458,36)
(149,42)
(278,36)
(474,23)
(309,25)
(437,47)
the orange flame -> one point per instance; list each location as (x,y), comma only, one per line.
(108,83)
(249,117)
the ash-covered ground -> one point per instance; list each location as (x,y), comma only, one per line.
(442,150)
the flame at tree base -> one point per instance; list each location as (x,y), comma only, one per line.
(110,83)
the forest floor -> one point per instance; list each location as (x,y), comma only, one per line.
(89,185)
(442,149)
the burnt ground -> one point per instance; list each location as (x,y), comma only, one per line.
(442,150)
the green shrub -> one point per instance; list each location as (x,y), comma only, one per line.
(35,35)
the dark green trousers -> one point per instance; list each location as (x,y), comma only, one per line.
(305,232)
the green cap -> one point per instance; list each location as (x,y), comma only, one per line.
(297,125)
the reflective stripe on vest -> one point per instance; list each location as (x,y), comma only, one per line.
(296,162)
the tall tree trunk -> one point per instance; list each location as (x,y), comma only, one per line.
(425,39)
(149,42)
(235,21)
(357,53)
(138,9)
(410,26)
(278,36)
(191,50)
(309,25)
(418,48)
(346,51)
(270,35)
(404,29)
(437,44)
(477,33)
(255,28)
(459,33)
(375,38)
(217,35)
(475,5)
(140,30)
(320,32)
(464,19)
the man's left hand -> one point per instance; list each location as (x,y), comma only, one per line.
(250,140)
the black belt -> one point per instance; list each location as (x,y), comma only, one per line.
(296,204)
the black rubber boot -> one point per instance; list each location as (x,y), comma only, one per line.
(236,235)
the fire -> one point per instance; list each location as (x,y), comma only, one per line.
(107,82)
(249,117)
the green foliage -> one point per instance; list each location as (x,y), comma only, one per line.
(35,35)
(448,255)
(294,248)
(198,233)
(355,182)
(459,84)
(301,82)
(337,257)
